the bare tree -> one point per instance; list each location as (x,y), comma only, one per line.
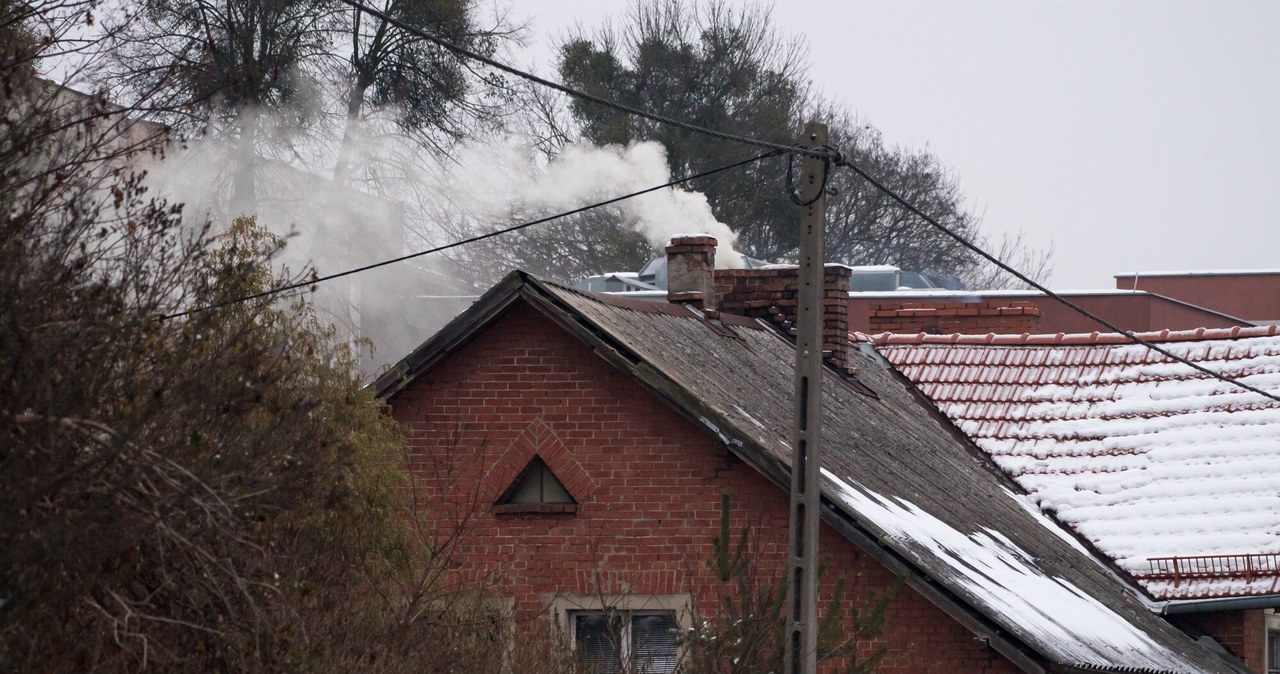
(427,89)
(216,67)
(726,68)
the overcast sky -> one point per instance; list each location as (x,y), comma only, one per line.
(1129,135)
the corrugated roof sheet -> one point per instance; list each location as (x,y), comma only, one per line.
(1142,456)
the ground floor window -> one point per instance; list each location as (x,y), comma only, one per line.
(618,642)
(623,634)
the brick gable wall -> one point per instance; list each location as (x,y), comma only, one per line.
(648,482)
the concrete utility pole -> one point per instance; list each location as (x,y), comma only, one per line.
(806,432)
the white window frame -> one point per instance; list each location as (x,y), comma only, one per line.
(565,606)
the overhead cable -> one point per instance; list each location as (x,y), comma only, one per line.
(480,237)
(1049,293)
(822,153)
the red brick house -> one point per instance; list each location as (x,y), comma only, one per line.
(1170,474)
(579,445)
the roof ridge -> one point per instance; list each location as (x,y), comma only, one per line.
(1066,339)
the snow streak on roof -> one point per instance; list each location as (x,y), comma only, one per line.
(1144,457)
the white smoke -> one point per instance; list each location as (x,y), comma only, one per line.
(334,228)
(492,178)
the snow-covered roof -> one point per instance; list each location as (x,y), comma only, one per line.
(976,295)
(1199,272)
(1173,474)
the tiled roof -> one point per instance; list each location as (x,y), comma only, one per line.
(1173,474)
(1199,334)
(898,483)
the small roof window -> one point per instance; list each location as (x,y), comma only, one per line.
(536,490)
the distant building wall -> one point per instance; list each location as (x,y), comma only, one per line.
(994,315)
(1243,633)
(1251,296)
(972,313)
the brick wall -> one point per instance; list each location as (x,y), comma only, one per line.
(943,318)
(771,294)
(647,482)
(1244,633)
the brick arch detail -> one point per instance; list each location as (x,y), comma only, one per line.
(537,440)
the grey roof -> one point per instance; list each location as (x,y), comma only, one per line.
(901,483)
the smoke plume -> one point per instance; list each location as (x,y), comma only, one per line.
(334,228)
(494,177)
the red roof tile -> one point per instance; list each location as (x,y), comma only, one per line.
(1141,455)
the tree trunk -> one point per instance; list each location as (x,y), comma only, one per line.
(244,184)
(355,100)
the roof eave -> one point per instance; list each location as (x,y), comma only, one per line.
(1180,606)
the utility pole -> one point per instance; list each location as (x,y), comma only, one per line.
(801,646)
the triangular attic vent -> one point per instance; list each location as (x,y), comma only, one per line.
(536,484)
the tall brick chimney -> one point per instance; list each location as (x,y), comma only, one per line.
(770,294)
(690,268)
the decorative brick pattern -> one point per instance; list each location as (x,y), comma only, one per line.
(646,526)
(537,440)
(988,316)
(771,294)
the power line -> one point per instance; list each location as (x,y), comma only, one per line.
(463,242)
(821,153)
(1026,279)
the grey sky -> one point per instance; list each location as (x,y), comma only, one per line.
(1131,135)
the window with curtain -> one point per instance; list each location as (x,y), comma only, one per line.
(617,642)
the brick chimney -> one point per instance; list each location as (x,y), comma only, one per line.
(690,268)
(770,294)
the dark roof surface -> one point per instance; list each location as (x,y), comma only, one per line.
(900,483)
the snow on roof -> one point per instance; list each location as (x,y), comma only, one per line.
(977,294)
(1006,577)
(1201,272)
(1142,456)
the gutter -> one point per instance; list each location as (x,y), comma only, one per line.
(1184,606)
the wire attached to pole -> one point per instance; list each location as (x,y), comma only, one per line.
(791,190)
(1049,293)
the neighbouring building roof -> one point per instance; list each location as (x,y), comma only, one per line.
(1171,473)
(1253,295)
(1138,310)
(900,483)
